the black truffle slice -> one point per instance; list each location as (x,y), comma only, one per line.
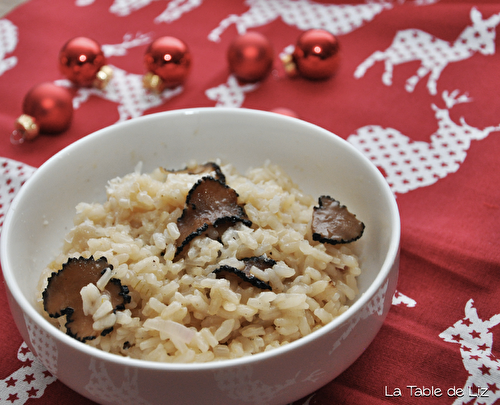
(259,262)
(62,295)
(211,168)
(333,223)
(211,206)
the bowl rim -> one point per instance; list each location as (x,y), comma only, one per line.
(36,317)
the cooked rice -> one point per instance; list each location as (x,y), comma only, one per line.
(180,312)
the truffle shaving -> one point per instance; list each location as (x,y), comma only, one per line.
(260,262)
(62,295)
(210,168)
(211,206)
(333,223)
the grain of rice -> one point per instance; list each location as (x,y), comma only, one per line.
(318,287)
(290,300)
(221,352)
(270,314)
(236,349)
(102,310)
(200,342)
(246,311)
(304,327)
(209,337)
(313,304)
(204,357)
(262,300)
(199,301)
(283,271)
(106,345)
(287,329)
(104,322)
(314,274)
(252,331)
(175,311)
(123,317)
(323,315)
(260,274)
(101,283)
(90,296)
(158,353)
(224,330)
(348,291)
(150,343)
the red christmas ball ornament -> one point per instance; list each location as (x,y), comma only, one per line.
(168,61)
(82,61)
(47,108)
(250,57)
(316,55)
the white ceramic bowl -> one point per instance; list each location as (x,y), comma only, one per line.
(318,161)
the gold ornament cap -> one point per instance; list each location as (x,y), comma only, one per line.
(103,76)
(152,82)
(289,65)
(25,129)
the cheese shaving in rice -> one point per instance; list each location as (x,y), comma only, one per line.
(179,310)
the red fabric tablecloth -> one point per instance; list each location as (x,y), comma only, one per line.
(417,91)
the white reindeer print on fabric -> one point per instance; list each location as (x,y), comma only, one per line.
(410,164)
(424,2)
(13,175)
(126,7)
(433,53)
(401,299)
(8,43)
(83,3)
(231,93)
(476,341)
(27,382)
(129,41)
(338,19)
(175,8)
(126,90)
(120,8)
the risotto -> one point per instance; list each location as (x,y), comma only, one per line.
(178,306)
